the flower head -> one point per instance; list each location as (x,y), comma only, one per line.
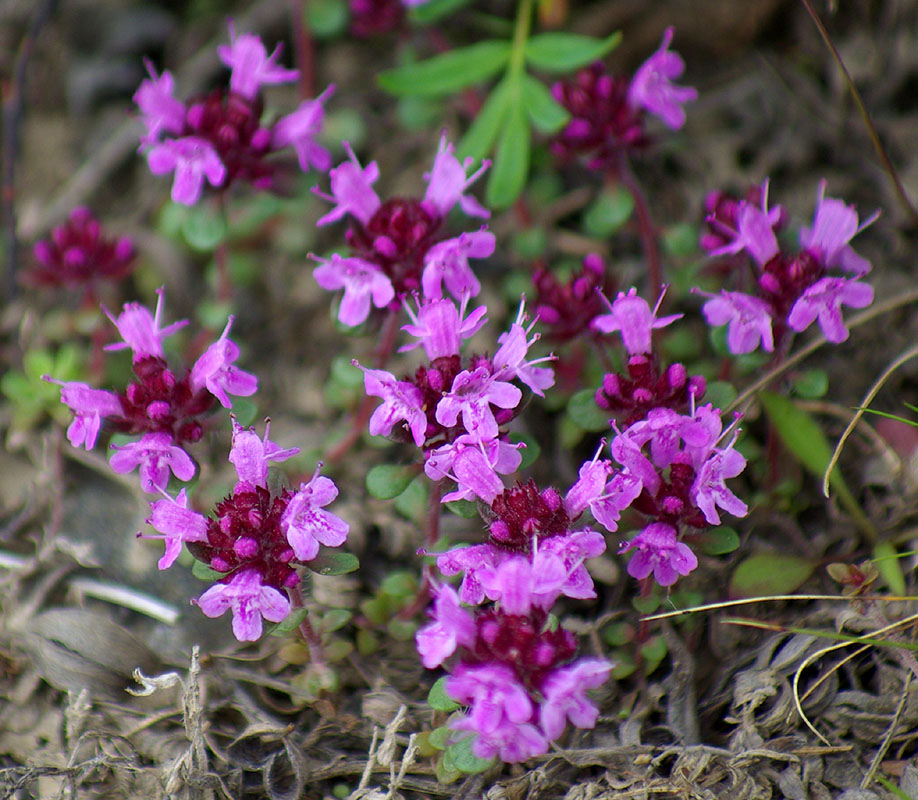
(472,394)
(157,455)
(823,300)
(748,320)
(448,262)
(401,401)
(834,225)
(452,626)
(89,406)
(632,317)
(306,523)
(659,552)
(362,282)
(565,695)
(251,65)
(352,191)
(447,182)
(162,112)
(193,160)
(249,600)
(653,90)
(300,129)
(510,359)
(250,455)
(216,371)
(441,327)
(141,330)
(177,523)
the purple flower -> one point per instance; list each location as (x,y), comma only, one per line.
(216,371)
(89,406)
(441,327)
(709,489)
(754,232)
(590,485)
(834,225)
(251,65)
(748,319)
(162,111)
(662,428)
(659,552)
(177,524)
(306,524)
(565,690)
(470,561)
(401,401)
(652,88)
(300,129)
(249,601)
(628,453)
(250,455)
(573,549)
(447,183)
(632,317)
(192,159)
(619,494)
(156,454)
(510,359)
(520,584)
(824,300)
(361,281)
(140,329)
(474,465)
(512,742)
(452,626)
(352,190)
(472,394)
(448,262)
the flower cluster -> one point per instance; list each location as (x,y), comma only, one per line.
(220,137)
(162,407)
(792,289)
(255,537)
(608,112)
(397,244)
(376,17)
(78,254)
(566,310)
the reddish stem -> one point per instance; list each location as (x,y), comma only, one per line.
(305,49)
(313,642)
(646,227)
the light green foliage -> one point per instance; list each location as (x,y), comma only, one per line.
(30,396)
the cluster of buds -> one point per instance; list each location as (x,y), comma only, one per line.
(397,244)
(221,137)
(792,289)
(565,310)
(608,112)
(256,536)
(160,406)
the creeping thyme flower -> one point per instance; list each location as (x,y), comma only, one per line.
(220,138)
(631,316)
(567,310)
(78,255)
(653,90)
(792,289)
(255,537)
(659,552)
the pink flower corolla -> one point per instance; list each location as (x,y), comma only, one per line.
(823,300)
(619,494)
(249,600)
(470,561)
(447,182)
(250,454)
(192,159)
(89,406)
(448,262)
(834,225)
(216,371)
(452,627)
(472,394)
(755,230)
(401,401)
(628,453)
(662,429)
(141,330)
(501,712)
(590,485)
(251,65)
(161,110)
(510,359)
(300,129)
(659,552)
(306,524)
(564,690)
(632,317)
(351,190)
(157,455)
(709,490)
(441,327)
(652,88)
(573,549)
(177,524)
(522,583)
(362,282)
(474,465)
(748,320)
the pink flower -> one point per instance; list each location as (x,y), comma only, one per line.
(659,552)
(748,319)
(565,690)
(300,130)
(448,262)
(824,300)
(192,159)
(447,183)
(251,65)
(510,359)
(249,601)
(590,485)
(216,371)
(632,317)
(834,225)
(352,190)
(573,549)
(250,455)
(619,494)
(140,329)
(89,406)
(401,401)
(156,454)
(471,395)
(177,524)
(652,88)
(453,626)
(474,465)
(162,111)
(361,281)
(441,327)
(305,523)
(470,561)
(709,489)
(521,583)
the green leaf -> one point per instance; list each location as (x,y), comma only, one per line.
(770,573)
(449,72)
(530,452)
(400,584)
(618,634)
(812,383)
(511,162)
(719,541)
(653,651)
(204,573)
(467,509)
(464,759)
(546,113)
(334,619)
(563,52)
(412,503)
(204,228)
(588,416)
(331,562)
(889,566)
(386,481)
(439,737)
(326,18)
(245,410)
(438,699)
(720,393)
(434,10)
(290,623)
(608,212)
(483,132)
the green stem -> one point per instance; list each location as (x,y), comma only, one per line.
(520,37)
